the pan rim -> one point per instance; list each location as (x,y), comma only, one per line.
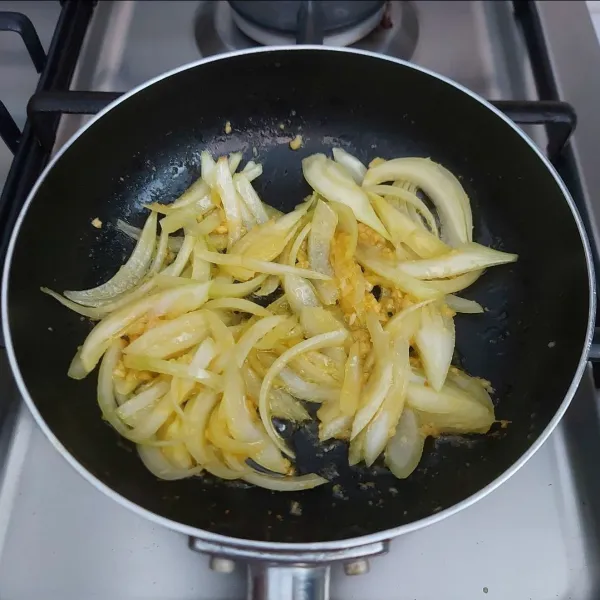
(337,545)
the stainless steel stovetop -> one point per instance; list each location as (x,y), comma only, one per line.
(536,537)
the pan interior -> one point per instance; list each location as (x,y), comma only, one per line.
(528,343)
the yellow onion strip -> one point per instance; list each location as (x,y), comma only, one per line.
(316,343)
(324,223)
(444,190)
(351,388)
(466,258)
(380,380)
(333,182)
(352,165)
(128,275)
(261,266)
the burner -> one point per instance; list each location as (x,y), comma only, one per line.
(392,29)
(278,22)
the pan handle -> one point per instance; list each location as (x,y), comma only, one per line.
(294,582)
(285,575)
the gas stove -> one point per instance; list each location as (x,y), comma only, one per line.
(537,536)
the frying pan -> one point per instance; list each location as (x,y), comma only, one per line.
(531,343)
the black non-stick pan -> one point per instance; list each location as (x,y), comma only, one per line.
(531,342)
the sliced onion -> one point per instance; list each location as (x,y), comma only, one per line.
(351,388)
(406,323)
(353,166)
(140,402)
(324,222)
(234,160)
(248,220)
(128,275)
(171,337)
(306,390)
(287,328)
(207,225)
(197,412)
(160,254)
(435,342)
(200,267)
(291,257)
(176,220)
(129,230)
(203,356)
(262,266)
(208,167)
(152,421)
(250,198)
(332,182)
(379,382)
(411,199)
(404,231)
(356,449)
(462,305)
(349,225)
(451,410)
(106,395)
(471,385)
(199,382)
(197,193)
(242,426)
(230,199)
(267,241)
(268,287)
(455,284)
(159,466)
(165,282)
(178,265)
(283,405)
(237,290)
(316,343)
(253,335)
(252,170)
(390,271)
(467,258)
(173,368)
(173,449)
(223,338)
(283,484)
(445,192)
(337,426)
(318,368)
(219,434)
(316,320)
(237,304)
(86,311)
(172,302)
(299,293)
(403,452)
(383,425)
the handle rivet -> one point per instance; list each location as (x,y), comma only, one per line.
(221,565)
(357,567)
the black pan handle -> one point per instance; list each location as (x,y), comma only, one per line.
(310,23)
(559,118)
(44,106)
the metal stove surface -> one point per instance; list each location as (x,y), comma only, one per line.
(536,537)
